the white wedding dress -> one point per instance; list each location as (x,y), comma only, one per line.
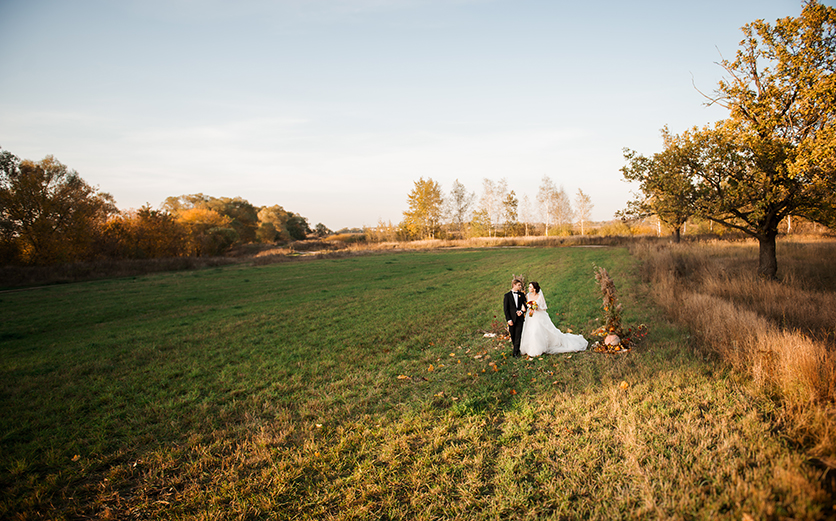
(540,336)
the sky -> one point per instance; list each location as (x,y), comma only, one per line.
(334,108)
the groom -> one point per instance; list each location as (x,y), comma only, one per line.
(514,305)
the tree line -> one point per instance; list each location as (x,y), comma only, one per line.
(50,215)
(497,211)
(774,155)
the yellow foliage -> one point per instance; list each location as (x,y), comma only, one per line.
(203,217)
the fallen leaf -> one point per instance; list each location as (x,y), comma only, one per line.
(76,457)
(513,391)
(624,385)
(430,368)
(403,377)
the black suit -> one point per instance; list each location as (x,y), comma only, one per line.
(511,309)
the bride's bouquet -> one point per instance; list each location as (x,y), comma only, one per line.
(532,307)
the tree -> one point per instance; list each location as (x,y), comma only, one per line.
(272,224)
(175,205)
(209,233)
(563,208)
(321,231)
(48,213)
(583,208)
(554,204)
(497,208)
(243,216)
(143,234)
(546,195)
(525,212)
(425,209)
(509,212)
(298,227)
(665,182)
(9,246)
(776,153)
(480,224)
(460,202)
(483,217)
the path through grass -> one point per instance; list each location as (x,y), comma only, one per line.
(304,391)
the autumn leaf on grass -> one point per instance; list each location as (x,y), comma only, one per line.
(403,377)
(430,368)
(513,391)
(624,385)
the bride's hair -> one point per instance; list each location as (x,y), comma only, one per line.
(536,287)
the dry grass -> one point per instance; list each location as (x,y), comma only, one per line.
(780,333)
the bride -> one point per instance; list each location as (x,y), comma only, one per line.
(539,334)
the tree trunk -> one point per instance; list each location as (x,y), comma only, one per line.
(768,260)
(677,235)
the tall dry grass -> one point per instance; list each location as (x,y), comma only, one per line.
(779,332)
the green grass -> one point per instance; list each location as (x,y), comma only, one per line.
(274,392)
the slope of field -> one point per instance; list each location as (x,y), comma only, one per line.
(364,387)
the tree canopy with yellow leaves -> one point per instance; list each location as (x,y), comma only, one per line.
(774,156)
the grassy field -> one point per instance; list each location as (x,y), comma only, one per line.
(363,387)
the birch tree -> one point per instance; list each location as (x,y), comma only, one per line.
(583,209)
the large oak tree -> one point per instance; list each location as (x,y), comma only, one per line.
(775,155)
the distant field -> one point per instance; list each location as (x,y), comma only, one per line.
(363,387)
